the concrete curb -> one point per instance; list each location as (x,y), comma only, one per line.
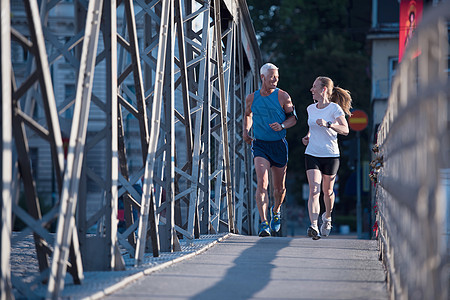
(127,280)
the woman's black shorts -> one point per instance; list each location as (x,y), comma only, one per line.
(326,165)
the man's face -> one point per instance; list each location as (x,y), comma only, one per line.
(270,79)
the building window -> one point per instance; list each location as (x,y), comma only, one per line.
(18,53)
(393,63)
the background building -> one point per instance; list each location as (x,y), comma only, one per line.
(384,46)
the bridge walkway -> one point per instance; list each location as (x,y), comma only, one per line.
(249,267)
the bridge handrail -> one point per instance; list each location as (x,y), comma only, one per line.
(412,166)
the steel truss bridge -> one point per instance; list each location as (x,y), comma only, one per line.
(180,70)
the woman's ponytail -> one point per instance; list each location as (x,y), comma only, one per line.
(343,98)
(337,95)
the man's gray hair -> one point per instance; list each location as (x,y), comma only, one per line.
(266,67)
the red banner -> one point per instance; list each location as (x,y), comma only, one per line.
(410,16)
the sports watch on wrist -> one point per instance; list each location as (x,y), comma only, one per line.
(282,126)
(329,124)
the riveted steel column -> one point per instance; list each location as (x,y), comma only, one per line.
(147,202)
(66,222)
(130,195)
(6,154)
(112,177)
(224,116)
(240,93)
(202,141)
(168,130)
(191,161)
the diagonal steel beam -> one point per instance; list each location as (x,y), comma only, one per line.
(46,88)
(66,221)
(137,76)
(140,113)
(43,76)
(147,202)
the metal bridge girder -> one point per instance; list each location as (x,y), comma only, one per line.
(6,154)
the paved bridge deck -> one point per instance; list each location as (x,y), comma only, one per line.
(248,267)
(229,266)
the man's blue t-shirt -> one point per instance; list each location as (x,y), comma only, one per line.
(267,110)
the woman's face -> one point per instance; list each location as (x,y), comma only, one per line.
(317,90)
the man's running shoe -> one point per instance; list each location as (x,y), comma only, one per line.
(313,233)
(275,220)
(325,229)
(264,229)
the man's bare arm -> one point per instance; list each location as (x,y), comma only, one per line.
(248,119)
(288,106)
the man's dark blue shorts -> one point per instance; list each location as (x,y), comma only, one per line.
(276,152)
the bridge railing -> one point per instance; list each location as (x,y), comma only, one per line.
(412,166)
(130,105)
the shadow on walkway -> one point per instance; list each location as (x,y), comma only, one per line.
(251,271)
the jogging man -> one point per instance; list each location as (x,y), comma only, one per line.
(270,111)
